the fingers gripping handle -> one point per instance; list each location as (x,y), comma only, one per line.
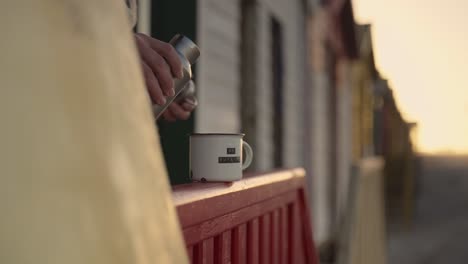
(188,53)
(248,155)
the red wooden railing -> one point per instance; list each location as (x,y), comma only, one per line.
(260,219)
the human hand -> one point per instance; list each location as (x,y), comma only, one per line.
(160,62)
(180,110)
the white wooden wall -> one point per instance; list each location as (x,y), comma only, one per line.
(319,146)
(219,76)
(291,16)
(344,136)
(318,165)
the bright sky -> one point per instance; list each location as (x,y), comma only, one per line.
(421,46)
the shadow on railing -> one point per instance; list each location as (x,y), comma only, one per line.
(260,219)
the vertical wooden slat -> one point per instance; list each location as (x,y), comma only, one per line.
(208,251)
(198,253)
(265,239)
(274,245)
(284,235)
(203,252)
(301,249)
(190,253)
(239,244)
(292,233)
(310,254)
(222,248)
(298,250)
(253,241)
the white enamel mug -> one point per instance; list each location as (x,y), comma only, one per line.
(218,157)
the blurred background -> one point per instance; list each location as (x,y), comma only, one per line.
(368,95)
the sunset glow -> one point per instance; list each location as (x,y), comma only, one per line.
(422,48)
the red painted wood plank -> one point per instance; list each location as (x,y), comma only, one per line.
(203,252)
(284,245)
(208,251)
(239,245)
(198,253)
(265,239)
(217,199)
(300,249)
(293,234)
(253,241)
(222,248)
(274,245)
(213,227)
(306,225)
(270,222)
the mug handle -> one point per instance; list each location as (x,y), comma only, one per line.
(248,155)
